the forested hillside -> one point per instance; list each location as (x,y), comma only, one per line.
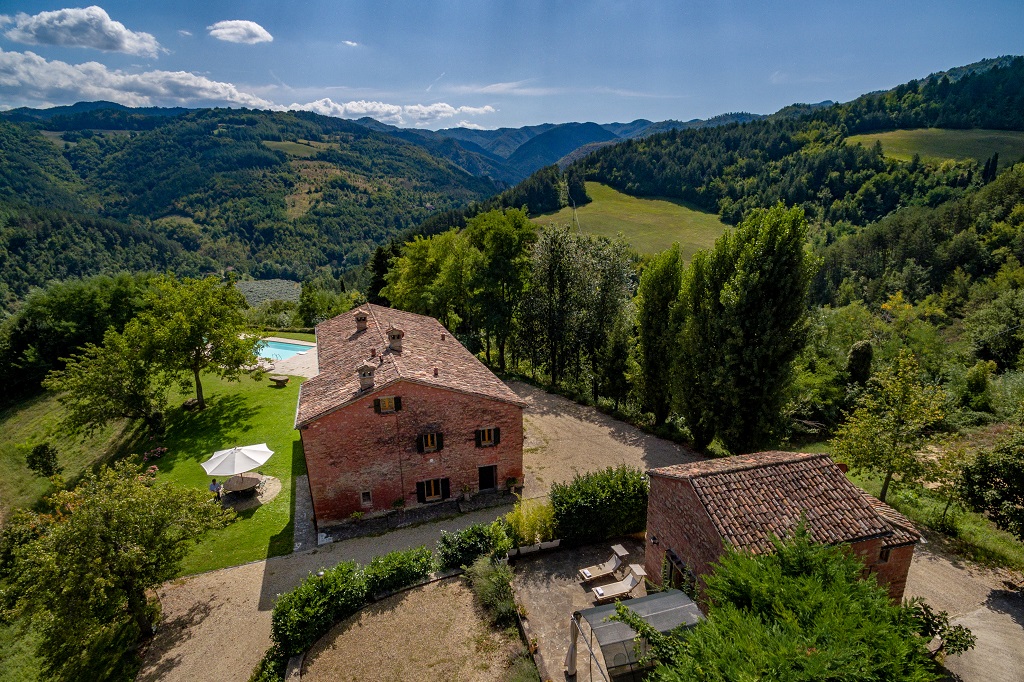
(211,189)
(803,160)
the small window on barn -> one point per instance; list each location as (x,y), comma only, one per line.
(387,404)
(433,490)
(430,442)
(485,438)
(883,556)
(366,499)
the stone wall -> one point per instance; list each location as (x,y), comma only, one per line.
(678,521)
(355,449)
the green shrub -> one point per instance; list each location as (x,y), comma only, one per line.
(303,615)
(492,585)
(523,669)
(601,504)
(271,668)
(530,522)
(399,569)
(462,548)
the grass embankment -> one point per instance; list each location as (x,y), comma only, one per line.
(650,225)
(935,144)
(299,149)
(976,537)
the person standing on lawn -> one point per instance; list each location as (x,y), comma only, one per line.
(215,488)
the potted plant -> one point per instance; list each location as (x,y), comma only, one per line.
(467,492)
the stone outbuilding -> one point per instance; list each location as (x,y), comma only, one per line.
(402,414)
(697,509)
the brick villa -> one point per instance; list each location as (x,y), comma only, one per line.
(402,414)
(696,509)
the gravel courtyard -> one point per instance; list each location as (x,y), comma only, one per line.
(216,625)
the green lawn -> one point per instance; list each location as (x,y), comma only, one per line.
(297,336)
(650,225)
(238,413)
(937,144)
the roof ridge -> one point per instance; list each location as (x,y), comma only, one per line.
(752,464)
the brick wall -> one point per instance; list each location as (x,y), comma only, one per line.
(677,519)
(354,449)
(893,573)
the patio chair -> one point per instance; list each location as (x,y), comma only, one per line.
(610,567)
(615,591)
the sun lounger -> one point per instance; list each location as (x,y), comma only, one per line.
(609,567)
(620,590)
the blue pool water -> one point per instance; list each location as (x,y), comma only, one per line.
(279,350)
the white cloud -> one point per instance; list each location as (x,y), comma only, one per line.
(471,126)
(397,114)
(350,43)
(184,34)
(78,27)
(240,31)
(507,88)
(30,79)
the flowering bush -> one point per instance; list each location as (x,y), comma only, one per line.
(155,453)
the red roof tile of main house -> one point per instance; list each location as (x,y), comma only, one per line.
(750,498)
(427,347)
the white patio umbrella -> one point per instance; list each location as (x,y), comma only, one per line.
(237,460)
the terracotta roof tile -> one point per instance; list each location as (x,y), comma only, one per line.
(426,346)
(750,498)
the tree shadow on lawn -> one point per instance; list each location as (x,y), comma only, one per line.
(192,437)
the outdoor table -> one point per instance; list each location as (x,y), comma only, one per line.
(242,483)
(279,381)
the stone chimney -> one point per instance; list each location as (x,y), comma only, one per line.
(360,320)
(395,339)
(365,373)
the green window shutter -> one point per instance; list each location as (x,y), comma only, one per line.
(479,439)
(440,441)
(398,403)
(376,405)
(446,489)
(419,443)
(497,435)
(421,492)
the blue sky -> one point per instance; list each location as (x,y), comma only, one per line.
(489,64)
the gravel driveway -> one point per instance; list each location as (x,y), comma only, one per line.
(217,625)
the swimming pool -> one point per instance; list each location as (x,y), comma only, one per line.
(279,350)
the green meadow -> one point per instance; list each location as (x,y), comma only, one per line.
(936,144)
(650,225)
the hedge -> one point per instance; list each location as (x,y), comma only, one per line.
(306,613)
(601,504)
(456,550)
(398,569)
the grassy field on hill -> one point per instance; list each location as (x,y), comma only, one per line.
(940,144)
(650,225)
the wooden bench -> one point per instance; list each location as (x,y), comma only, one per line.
(279,381)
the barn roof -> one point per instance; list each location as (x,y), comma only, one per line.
(751,498)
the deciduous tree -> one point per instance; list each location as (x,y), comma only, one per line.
(118,380)
(742,312)
(893,419)
(994,484)
(197,325)
(83,570)
(656,335)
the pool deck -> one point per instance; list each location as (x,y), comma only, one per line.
(301,365)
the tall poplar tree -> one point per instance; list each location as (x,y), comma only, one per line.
(656,335)
(742,311)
